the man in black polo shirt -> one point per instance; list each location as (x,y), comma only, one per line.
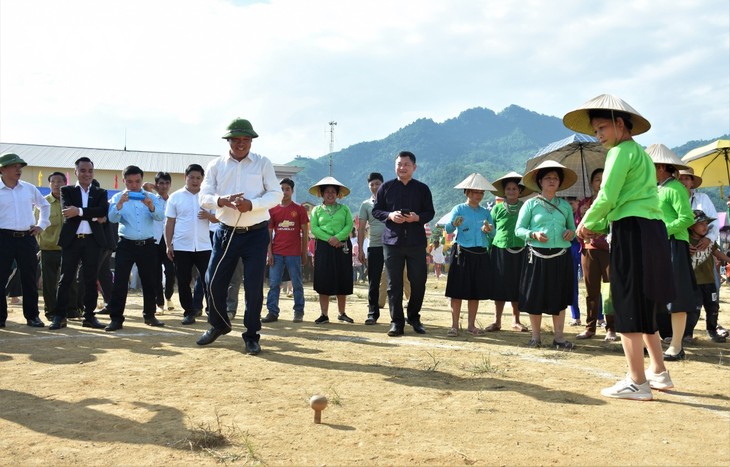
(404,205)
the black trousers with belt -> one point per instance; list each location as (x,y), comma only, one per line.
(22,248)
(82,250)
(143,253)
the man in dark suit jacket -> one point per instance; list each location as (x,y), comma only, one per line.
(81,240)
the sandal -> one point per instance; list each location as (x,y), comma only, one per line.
(475,332)
(493,327)
(563,345)
(520,327)
(611,337)
(534,343)
(585,335)
(453,332)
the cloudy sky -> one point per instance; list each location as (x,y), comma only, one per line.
(172,74)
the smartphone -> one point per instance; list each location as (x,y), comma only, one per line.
(405,212)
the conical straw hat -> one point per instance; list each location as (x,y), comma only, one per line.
(661,154)
(314,190)
(475,182)
(499,184)
(569,177)
(578,119)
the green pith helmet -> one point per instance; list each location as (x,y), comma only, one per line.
(240,127)
(10,159)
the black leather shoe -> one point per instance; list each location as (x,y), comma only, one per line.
(395,330)
(36,323)
(370,321)
(190,319)
(252,347)
(58,323)
(270,318)
(153,322)
(92,323)
(211,335)
(113,326)
(418,327)
(674,358)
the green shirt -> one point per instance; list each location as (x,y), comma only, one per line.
(505,220)
(48,239)
(538,216)
(676,209)
(376,227)
(628,188)
(329,221)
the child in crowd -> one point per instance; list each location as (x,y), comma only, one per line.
(703,263)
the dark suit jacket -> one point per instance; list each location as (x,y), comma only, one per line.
(98,207)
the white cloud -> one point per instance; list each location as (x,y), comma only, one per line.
(173,74)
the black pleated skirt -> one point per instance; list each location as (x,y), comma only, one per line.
(332,269)
(507,268)
(469,274)
(546,285)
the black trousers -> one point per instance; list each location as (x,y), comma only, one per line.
(375,272)
(81,251)
(396,258)
(23,251)
(184,263)
(50,274)
(144,255)
(168,267)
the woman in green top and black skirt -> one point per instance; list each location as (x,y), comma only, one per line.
(641,279)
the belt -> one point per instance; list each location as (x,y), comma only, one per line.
(83,235)
(15,233)
(146,241)
(241,230)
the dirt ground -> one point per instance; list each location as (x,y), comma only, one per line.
(151,396)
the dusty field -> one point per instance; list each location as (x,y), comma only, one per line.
(148,396)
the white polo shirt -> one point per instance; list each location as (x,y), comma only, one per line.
(191,233)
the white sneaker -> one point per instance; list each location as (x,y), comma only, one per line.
(660,381)
(627,389)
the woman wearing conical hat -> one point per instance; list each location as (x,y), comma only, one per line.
(508,250)
(546,223)
(331,223)
(469,274)
(678,217)
(628,203)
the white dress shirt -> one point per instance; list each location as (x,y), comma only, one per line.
(16,207)
(254,176)
(159,226)
(191,233)
(84,227)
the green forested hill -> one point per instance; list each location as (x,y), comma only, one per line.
(478,140)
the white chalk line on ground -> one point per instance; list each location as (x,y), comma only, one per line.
(398,341)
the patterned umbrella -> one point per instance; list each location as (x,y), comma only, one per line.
(581,153)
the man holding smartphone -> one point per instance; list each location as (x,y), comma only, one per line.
(404,204)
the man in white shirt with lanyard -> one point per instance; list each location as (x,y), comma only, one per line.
(18,229)
(242,187)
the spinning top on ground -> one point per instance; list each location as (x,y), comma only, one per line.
(318,403)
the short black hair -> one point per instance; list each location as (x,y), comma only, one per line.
(65,180)
(596,172)
(545,170)
(83,159)
(194,168)
(287,181)
(407,154)
(375,176)
(95,182)
(163,176)
(132,170)
(611,115)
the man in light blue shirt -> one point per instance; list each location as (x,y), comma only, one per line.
(135,210)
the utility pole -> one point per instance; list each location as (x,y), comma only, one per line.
(332,142)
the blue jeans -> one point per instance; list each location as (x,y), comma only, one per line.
(293,264)
(251,248)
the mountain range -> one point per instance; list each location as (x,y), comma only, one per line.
(478,140)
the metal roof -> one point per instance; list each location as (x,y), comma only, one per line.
(115,159)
